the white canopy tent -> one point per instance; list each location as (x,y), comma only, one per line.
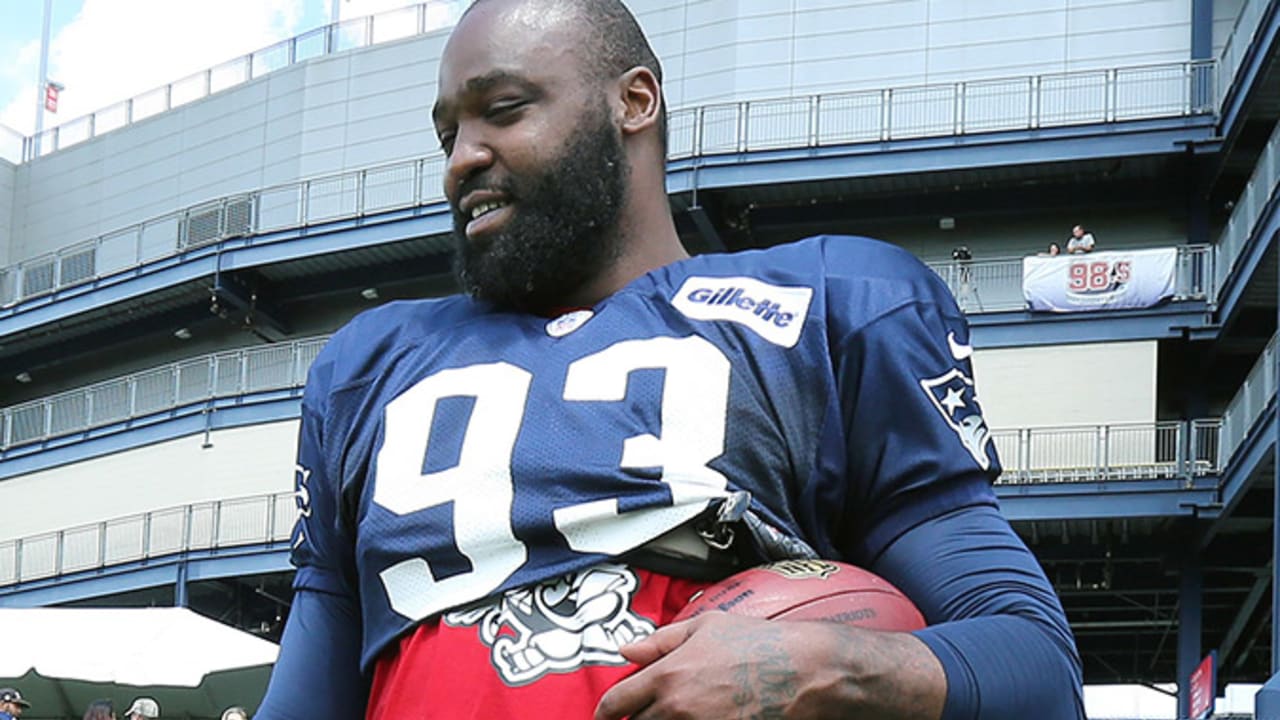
(61,659)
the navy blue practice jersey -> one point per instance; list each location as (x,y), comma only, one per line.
(449,451)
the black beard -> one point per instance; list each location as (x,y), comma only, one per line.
(563,231)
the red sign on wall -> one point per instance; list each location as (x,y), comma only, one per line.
(51,97)
(1201,686)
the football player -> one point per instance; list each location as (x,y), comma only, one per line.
(506,495)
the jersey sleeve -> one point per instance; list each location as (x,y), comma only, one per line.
(323,542)
(319,664)
(996,625)
(916,443)
(919,468)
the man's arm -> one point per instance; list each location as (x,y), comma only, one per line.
(917,507)
(968,572)
(317,674)
(1000,635)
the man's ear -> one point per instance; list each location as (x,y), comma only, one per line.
(641,98)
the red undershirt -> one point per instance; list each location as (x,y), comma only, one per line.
(444,671)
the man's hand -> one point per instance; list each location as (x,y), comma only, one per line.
(719,666)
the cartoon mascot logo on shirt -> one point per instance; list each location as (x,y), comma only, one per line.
(559,626)
(952,394)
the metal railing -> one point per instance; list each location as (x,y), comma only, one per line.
(1024,102)
(1094,453)
(1253,397)
(298,204)
(996,285)
(224,374)
(337,37)
(258,519)
(1030,455)
(972,106)
(735,127)
(1238,42)
(1254,199)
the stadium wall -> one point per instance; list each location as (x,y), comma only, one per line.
(1225,13)
(236,462)
(369,106)
(8,174)
(1094,384)
(336,113)
(718,50)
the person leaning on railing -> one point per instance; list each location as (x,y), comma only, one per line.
(1081,241)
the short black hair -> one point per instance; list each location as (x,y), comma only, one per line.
(614,44)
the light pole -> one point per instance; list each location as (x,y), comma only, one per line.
(43,80)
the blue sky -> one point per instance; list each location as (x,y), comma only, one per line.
(20,23)
(105,51)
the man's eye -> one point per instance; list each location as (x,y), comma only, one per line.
(446,142)
(502,110)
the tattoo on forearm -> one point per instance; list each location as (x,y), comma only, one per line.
(767,686)
(777,679)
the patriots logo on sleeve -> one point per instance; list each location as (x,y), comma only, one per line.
(952,394)
(302,498)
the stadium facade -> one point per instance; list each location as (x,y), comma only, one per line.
(170,265)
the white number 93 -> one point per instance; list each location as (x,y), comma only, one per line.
(480,486)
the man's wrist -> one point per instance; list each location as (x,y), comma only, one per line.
(892,676)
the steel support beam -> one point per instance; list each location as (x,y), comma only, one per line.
(1247,608)
(1275,544)
(180,585)
(1267,701)
(707,229)
(1190,619)
(250,307)
(1201,29)
(1243,472)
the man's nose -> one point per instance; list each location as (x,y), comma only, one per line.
(471,154)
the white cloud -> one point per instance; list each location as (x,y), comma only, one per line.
(21,71)
(116,49)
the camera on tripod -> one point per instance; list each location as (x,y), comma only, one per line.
(961,254)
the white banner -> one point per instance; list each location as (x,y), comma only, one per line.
(1099,280)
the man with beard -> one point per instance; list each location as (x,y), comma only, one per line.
(505,496)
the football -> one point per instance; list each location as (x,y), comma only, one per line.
(810,590)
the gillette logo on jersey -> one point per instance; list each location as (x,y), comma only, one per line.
(774,312)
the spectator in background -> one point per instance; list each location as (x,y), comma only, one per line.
(12,704)
(100,710)
(143,708)
(1054,249)
(235,713)
(1081,241)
